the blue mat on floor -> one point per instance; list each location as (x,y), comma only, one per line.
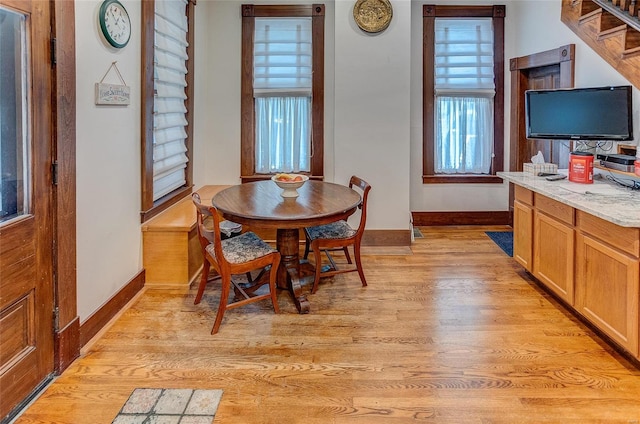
(504,239)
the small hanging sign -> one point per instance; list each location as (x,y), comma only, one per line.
(113,94)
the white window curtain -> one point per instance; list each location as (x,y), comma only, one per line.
(282,90)
(464,91)
(169,121)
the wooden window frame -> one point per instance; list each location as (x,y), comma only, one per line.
(247,131)
(149,207)
(429,14)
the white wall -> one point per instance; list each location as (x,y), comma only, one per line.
(591,70)
(531,26)
(373,115)
(372,111)
(108,163)
(454,197)
(217,78)
(366,115)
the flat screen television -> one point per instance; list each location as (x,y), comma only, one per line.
(599,113)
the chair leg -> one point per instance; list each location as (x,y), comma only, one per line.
(224,298)
(317,254)
(346,253)
(206,267)
(356,251)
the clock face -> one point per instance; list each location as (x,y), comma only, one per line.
(115,23)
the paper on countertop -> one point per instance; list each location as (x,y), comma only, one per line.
(538,158)
(603,189)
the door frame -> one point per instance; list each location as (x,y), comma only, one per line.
(564,57)
(58,72)
(63,108)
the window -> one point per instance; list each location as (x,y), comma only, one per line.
(282,90)
(167,98)
(15,138)
(463,85)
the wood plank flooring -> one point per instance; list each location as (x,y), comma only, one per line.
(455,332)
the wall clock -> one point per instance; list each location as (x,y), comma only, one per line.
(372,15)
(115,23)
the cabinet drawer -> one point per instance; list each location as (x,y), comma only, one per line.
(623,238)
(523,195)
(559,211)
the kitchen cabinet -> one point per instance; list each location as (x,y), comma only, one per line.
(523,227)
(608,279)
(553,246)
(585,247)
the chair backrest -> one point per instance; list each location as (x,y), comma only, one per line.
(208,234)
(205,235)
(365,188)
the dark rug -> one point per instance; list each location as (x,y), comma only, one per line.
(504,239)
(170,406)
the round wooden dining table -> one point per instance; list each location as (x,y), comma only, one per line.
(260,205)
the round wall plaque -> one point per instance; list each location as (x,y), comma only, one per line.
(372,15)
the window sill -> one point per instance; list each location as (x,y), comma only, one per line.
(461,179)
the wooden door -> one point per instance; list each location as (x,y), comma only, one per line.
(544,70)
(26,224)
(554,151)
(549,69)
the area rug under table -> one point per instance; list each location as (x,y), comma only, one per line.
(170,406)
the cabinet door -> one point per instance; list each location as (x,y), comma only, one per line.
(553,255)
(607,285)
(523,235)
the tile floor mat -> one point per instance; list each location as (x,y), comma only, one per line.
(169,406)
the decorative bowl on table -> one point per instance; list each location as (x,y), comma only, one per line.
(289,183)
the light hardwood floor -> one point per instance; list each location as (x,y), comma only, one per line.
(454,333)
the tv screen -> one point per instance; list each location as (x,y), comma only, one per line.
(600,113)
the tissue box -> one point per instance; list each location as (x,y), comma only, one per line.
(534,168)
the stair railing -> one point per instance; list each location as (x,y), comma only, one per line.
(625,10)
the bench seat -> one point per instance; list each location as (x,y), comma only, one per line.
(171,252)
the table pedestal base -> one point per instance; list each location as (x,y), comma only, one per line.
(292,273)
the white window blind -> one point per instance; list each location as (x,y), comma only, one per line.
(282,56)
(282,71)
(169,121)
(464,55)
(464,90)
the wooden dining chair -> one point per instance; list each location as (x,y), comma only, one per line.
(231,257)
(232,229)
(338,236)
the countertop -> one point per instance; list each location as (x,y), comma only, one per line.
(604,199)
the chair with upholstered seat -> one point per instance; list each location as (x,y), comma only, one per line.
(227,229)
(231,257)
(338,236)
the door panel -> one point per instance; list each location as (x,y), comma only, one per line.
(548,69)
(554,151)
(26,282)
